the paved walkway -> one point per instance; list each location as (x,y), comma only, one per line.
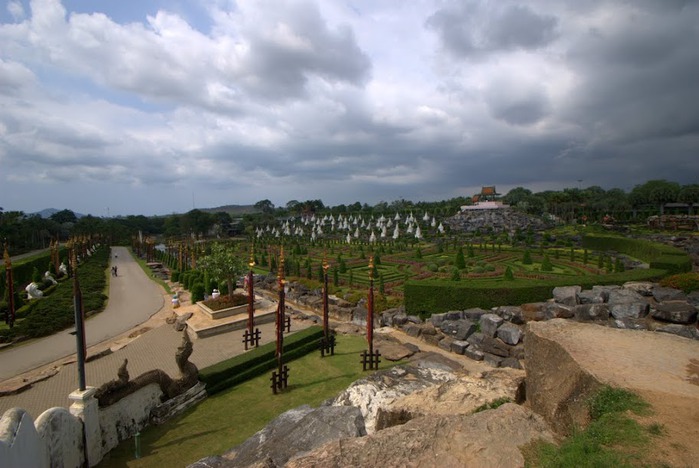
(150,344)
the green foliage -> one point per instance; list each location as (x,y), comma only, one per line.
(197,292)
(687,282)
(610,400)
(174,276)
(493,404)
(470,251)
(586,258)
(455,275)
(611,439)
(546,264)
(527,258)
(659,256)
(55,311)
(460,261)
(418,253)
(508,275)
(222,263)
(430,296)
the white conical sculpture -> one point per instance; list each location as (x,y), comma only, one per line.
(349,238)
(356,233)
(440,228)
(410,228)
(372,237)
(434,222)
(383,231)
(418,233)
(396,233)
(426,217)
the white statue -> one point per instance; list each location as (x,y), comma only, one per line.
(63,269)
(33,291)
(215,294)
(48,277)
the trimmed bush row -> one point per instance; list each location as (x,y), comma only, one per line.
(22,270)
(428,297)
(659,256)
(42,317)
(257,361)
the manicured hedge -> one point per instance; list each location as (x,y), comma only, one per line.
(55,312)
(257,361)
(429,297)
(659,256)
(22,270)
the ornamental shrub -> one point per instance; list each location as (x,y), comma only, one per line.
(687,282)
(527,259)
(197,292)
(508,276)
(460,261)
(546,264)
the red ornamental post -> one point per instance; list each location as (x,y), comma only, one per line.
(251,295)
(326,333)
(280,309)
(370,308)
(10,317)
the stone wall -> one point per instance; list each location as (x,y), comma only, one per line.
(56,437)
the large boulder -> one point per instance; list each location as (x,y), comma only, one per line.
(567,295)
(675,311)
(661,294)
(489,324)
(458,329)
(292,433)
(485,439)
(567,362)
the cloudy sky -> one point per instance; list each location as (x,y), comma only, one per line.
(153,107)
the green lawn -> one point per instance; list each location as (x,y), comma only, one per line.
(230,417)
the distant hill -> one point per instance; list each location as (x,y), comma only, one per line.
(233,210)
(48,212)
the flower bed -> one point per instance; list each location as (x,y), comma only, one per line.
(226,302)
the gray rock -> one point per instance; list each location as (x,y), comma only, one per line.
(445,343)
(458,346)
(510,314)
(675,312)
(476,339)
(495,346)
(299,430)
(359,316)
(458,329)
(630,323)
(591,312)
(511,362)
(662,294)
(509,333)
(556,310)
(567,295)
(437,319)
(414,319)
(624,296)
(591,297)
(604,291)
(398,320)
(693,298)
(644,288)
(489,324)
(473,353)
(492,359)
(411,329)
(629,309)
(686,331)
(474,314)
(454,315)
(517,351)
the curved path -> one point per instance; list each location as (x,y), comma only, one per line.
(133,298)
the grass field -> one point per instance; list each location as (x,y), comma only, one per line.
(230,417)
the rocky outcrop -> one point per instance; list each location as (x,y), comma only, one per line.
(485,439)
(568,361)
(497,220)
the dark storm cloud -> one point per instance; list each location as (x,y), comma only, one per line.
(297,44)
(473,28)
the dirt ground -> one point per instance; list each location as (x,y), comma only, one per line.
(662,368)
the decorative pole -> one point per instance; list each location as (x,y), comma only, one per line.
(79,322)
(10,316)
(252,334)
(327,343)
(280,378)
(370,359)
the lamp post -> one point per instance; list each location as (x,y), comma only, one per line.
(79,319)
(10,316)
(327,343)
